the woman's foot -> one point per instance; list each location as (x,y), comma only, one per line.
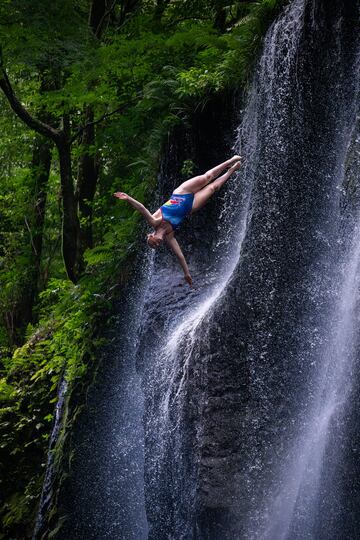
(235,167)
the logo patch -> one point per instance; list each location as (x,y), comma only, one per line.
(172,202)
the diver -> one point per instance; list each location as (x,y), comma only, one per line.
(189,197)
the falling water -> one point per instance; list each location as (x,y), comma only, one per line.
(244,382)
(165,380)
(291,512)
(302,479)
(249,382)
(290,505)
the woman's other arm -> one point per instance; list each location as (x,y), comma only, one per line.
(138,206)
(174,246)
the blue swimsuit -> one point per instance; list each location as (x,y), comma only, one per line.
(176,208)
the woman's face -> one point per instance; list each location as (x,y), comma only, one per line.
(153,241)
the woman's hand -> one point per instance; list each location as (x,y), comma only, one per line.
(236,158)
(121,195)
(188,279)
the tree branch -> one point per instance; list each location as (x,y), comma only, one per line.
(122,108)
(21,112)
(31,236)
(127,12)
(98,29)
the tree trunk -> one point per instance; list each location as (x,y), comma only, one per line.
(87,167)
(87,181)
(41,162)
(70,222)
(220,15)
(96,16)
(22,312)
(159,9)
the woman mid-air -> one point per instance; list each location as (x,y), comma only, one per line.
(186,199)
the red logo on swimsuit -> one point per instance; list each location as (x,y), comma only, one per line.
(171,202)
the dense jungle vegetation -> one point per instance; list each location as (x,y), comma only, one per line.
(89,91)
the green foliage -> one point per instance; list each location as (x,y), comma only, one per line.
(67,337)
(228,60)
(187,168)
(64,344)
(25,407)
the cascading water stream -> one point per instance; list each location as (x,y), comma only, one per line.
(46,493)
(292,512)
(290,508)
(166,382)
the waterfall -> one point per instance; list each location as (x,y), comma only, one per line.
(302,479)
(295,496)
(240,420)
(244,381)
(101,493)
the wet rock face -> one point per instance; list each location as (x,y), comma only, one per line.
(101,493)
(168,467)
(206,141)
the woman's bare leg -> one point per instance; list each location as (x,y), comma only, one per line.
(204,194)
(199,182)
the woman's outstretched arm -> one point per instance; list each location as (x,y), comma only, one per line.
(174,246)
(138,206)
